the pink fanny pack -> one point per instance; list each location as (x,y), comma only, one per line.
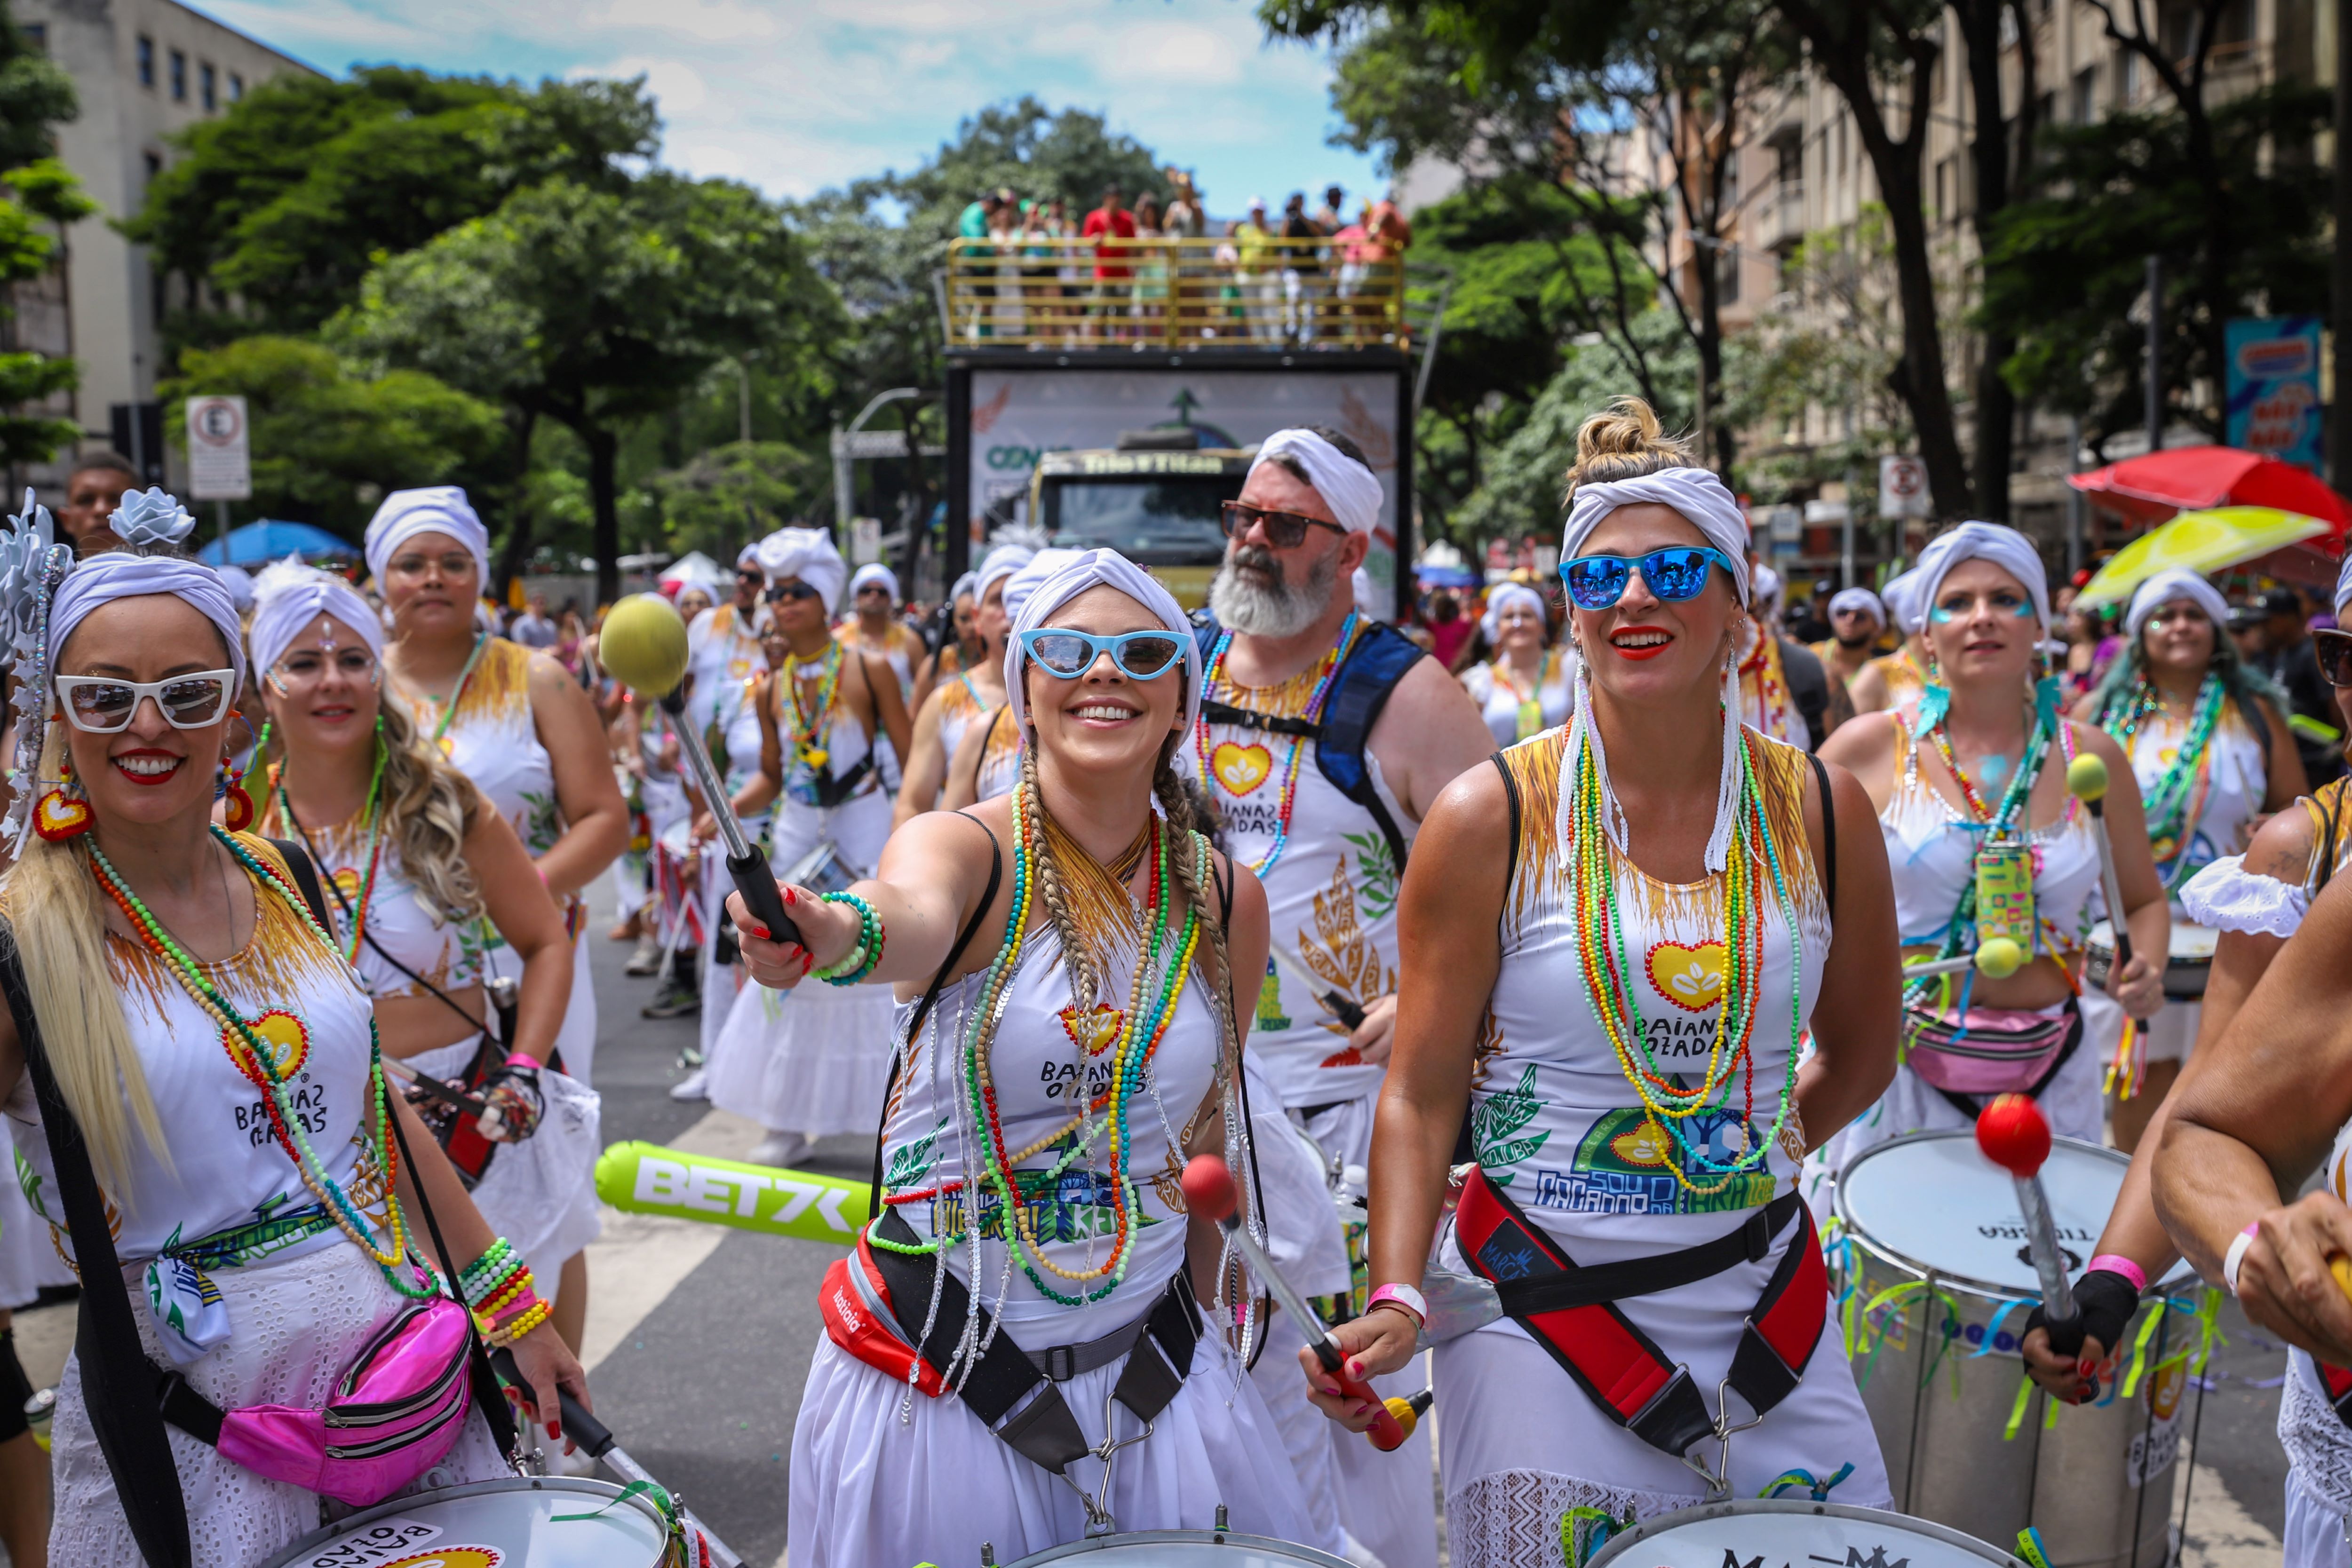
(1989,1051)
(395,1413)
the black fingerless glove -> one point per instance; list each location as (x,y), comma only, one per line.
(2105,1301)
(515,1094)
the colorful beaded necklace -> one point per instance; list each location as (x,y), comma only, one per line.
(458,693)
(1312,713)
(1601,934)
(359,908)
(1530,718)
(809,727)
(252,1057)
(2171,815)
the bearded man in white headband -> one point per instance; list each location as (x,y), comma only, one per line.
(1324,810)
(1895,680)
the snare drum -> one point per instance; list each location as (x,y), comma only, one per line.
(1188,1549)
(495,1524)
(2185,966)
(1784,1530)
(1936,1282)
(823,870)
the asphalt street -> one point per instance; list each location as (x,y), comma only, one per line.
(699,1336)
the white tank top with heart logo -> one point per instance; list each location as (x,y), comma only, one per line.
(1330,886)
(1555,1118)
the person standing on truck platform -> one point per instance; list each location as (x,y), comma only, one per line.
(1107,223)
(1324,737)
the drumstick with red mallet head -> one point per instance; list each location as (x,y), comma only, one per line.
(1209,1192)
(2013,1135)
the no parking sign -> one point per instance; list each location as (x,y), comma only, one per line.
(220,450)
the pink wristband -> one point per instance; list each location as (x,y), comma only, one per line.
(1405,1296)
(2117,1263)
(524,1059)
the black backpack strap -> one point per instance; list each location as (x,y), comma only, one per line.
(939,983)
(1829,835)
(1808,688)
(2252,711)
(305,872)
(1360,692)
(119,1382)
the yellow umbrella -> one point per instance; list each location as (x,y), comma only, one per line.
(2202,541)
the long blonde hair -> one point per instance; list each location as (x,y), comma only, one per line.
(58,919)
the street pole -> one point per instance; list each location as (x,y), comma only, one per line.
(2339,414)
(743,401)
(2074,496)
(2156,350)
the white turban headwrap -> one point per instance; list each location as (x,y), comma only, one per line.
(1696,493)
(148,518)
(1090,568)
(1505,597)
(240,586)
(2344,589)
(999,563)
(968,583)
(2175,582)
(1900,594)
(869,574)
(807,554)
(1035,574)
(1858,599)
(1996,542)
(1347,487)
(1765,584)
(748,557)
(290,596)
(442,509)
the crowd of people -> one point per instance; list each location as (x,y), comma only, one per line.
(1575,953)
(1295,278)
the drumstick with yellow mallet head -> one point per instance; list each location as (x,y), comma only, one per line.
(2086,780)
(643,645)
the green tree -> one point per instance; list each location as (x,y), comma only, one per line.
(38,199)
(2065,275)
(595,308)
(327,443)
(736,492)
(284,203)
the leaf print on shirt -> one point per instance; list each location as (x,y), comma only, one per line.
(912,1162)
(542,823)
(1338,952)
(1496,1118)
(1377,896)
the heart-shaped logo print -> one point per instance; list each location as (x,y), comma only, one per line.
(1240,769)
(60,816)
(289,1041)
(1646,1144)
(1092,1029)
(347,881)
(1690,977)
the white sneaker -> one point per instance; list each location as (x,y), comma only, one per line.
(695,1085)
(782,1149)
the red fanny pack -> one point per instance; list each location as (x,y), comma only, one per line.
(859,1317)
(1571,1311)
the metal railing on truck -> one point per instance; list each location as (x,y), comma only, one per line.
(1236,292)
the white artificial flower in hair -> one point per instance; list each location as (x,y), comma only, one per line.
(25,545)
(151,517)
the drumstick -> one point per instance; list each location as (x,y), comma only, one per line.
(2086,780)
(1209,1192)
(596,1440)
(2013,1135)
(1336,1002)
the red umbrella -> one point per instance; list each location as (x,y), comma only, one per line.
(2150,489)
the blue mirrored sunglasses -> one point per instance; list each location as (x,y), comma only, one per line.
(1676,573)
(1138,655)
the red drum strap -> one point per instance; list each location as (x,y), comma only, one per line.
(1571,1311)
(2339,1389)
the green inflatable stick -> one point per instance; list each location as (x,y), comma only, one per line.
(646,1179)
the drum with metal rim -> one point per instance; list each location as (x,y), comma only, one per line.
(823,870)
(2186,966)
(1784,1530)
(1185,1549)
(1935,1284)
(520,1523)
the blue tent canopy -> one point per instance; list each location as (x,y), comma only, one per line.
(257,544)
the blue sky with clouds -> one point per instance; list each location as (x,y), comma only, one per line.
(794,97)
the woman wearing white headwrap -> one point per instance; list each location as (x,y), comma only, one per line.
(959,650)
(140,927)
(967,697)
(814,1068)
(2212,754)
(1525,688)
(416,865)
(875,629)
(1090,908)
(1895,680)
(1596,877)
(986,762)
(1971,798)
(512,720)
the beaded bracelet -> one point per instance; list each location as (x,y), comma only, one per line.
(505,1333)
(862,959)
(485,1273)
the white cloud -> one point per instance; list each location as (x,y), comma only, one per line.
(678,85)
(711,21)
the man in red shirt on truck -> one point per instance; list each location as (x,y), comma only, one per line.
(1107,223)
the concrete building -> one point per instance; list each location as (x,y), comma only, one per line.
(144,69)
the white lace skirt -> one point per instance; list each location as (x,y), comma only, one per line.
(540,1194)
(294,1326)
(1308,1435)
(870,1488)
(1524,1443)
(2314,1530)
